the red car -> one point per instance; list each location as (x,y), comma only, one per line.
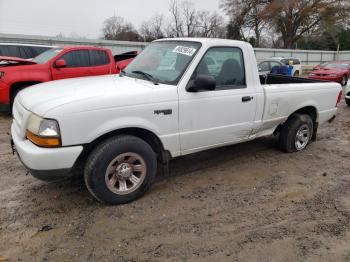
(54,64)
(336,71)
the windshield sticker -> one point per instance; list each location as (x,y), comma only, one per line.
(189,51)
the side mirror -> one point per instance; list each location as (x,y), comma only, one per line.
(259,69)
(202,83)
(60,63)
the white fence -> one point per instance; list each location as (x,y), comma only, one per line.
(308,57)
(117,47)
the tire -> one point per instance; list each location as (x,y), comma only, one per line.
(347,101)
(344,80)
(124,157)
(296,74)
(296,133)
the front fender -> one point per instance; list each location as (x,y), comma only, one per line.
(121,123)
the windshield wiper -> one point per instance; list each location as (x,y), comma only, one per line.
(147,75)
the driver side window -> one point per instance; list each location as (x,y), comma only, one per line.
(77,58)
(226,65)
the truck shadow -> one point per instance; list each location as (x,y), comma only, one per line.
(214,158)
(72,193)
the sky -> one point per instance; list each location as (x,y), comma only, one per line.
(79,17)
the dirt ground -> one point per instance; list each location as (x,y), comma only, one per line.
(247,202)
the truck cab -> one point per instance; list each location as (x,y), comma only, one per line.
(54,64)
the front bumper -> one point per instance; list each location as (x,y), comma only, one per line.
(49,164)
(4,107)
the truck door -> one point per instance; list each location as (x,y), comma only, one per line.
(224,115)
(100,63)
(77,65)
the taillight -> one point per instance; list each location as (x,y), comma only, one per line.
(339,98)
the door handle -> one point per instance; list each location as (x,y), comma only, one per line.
(247,98)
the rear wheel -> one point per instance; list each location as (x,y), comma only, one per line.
(344,80)
(296,133)
(347,101)
(296,74)
(120,170)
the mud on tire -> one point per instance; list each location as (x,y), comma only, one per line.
(120,169)
(296,133)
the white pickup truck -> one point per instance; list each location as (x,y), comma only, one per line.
(168,102)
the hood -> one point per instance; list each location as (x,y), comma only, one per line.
(17,60)
(87,93)
(328,71)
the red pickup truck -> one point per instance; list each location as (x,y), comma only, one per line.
(54,64)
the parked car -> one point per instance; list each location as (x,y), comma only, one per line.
(297,69)
(266,66)
(319,66)
(54,64)
(120,128)
(25,51)
(337,71)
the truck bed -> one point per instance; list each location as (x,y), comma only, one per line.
(285,95)
(271,79)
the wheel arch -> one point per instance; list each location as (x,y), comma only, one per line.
(148,136)
(307,110)
(15,86)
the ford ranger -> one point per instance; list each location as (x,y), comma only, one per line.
(167,103)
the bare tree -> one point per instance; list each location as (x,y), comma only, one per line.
(295,18)
(152,29)
(176,24)
(116,28)
(189,18)
(210,25)
(246,14)
(158,21)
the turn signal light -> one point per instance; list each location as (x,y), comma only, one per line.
(43,141)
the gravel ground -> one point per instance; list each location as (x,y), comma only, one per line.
(247,202)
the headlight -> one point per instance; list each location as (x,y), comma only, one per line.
(311,74)
(43,132)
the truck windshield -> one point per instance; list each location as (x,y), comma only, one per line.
(47,55)
(163,62)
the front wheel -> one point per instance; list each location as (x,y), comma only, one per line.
(296,133)
(120,170)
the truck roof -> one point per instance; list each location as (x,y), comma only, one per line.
(204,40)
(82,47)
